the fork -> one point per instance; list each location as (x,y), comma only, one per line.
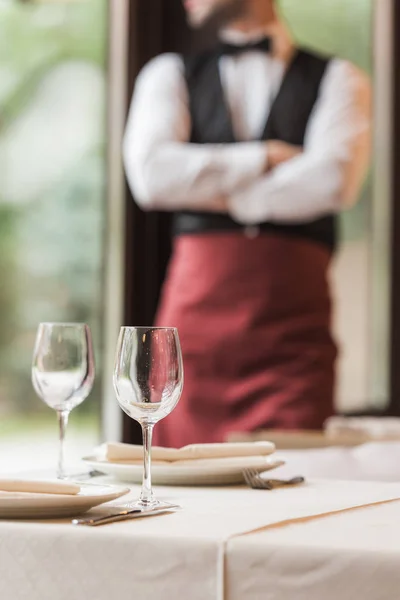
(86,476)
(256,482)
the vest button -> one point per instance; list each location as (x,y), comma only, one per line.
(252,232)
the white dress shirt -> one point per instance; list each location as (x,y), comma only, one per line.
(167,173)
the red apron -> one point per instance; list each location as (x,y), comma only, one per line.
(254,322)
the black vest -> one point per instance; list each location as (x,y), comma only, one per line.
(287,121)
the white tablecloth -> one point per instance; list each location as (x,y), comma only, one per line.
(348,556)
(193,554)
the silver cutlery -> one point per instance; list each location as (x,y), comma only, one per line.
(256,482)
(85,476)
(123,514)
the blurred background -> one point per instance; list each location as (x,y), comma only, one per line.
(53,77)
(73,247)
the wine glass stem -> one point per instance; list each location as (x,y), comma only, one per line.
(62,422)
(146,496)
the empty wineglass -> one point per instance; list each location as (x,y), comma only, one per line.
(63,371)
(148,382)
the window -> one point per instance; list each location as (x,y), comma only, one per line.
(361,270)
(52,207)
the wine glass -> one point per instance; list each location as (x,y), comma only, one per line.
(148,382)
(63,372)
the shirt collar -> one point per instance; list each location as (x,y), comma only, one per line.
(240,38)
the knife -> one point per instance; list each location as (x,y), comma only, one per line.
(123,515)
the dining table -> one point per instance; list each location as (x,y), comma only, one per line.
(325,539)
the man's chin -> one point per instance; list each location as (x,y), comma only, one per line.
(220,17)
(196,22)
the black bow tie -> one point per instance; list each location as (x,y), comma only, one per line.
(263,45)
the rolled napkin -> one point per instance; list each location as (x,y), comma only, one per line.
(39,487)
(363,428)
(115,452)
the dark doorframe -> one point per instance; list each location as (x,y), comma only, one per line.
(155,26)
(146,239)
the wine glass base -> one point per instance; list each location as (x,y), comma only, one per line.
(155,505)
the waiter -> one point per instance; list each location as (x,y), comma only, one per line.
(255,146)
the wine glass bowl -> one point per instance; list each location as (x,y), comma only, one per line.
(148,377)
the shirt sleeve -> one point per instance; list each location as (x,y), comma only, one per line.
(165,171)
(327,176)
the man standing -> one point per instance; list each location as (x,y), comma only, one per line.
(255,146)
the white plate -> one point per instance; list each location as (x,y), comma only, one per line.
(16,505)
(211,472)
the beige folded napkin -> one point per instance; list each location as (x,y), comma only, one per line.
(39,487)
(114,452)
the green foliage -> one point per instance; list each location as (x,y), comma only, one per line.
(51,246)
(338,27)
(33,39)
